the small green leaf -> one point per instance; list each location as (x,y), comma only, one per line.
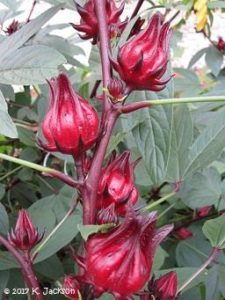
(214,230)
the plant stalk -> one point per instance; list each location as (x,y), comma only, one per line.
(67,215)
(109,117)
(211,258)
(148,103)
(137,8)
(47,171)
(161,200)
(100,8)
(91,184)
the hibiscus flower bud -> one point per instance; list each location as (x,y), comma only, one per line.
(142,60)
(71,123)
(221,44)
(204,211)
(165,287)
(120,260)
(107,215)
(116,90)
(116,184)
(89,23)
(71,288)
(183,233)
(25,236)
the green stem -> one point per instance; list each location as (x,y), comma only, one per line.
(26,163)
(10,173)
(166,210)
(48,171)
(38,249)
(210,259)
(188,100)
(161,200)
(148,103)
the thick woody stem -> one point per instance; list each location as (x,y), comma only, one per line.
(26,267)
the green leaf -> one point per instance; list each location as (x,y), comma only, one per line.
(214,60)
(43,218)
(114,142)
(30,65)
(208,145)
(59,204)
(151,132)
(2,190)
(215,282)
(159,258)
(69,3)
(153,135)
(63,236)
(7,261)
(195,58)
(216,4)
(4,277)
(181,140)
(214,231)
(26,136)
(4,221)
(16,40)
(64,46)
(7,127)
(186,83)
(51,268)
(202,189)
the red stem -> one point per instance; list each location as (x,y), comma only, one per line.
(95,88)
(104,47)
(109,117)
(65,178)
(91,184)
(133,106)
(26,266)
(31,11)
(196,219)
(137,8)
